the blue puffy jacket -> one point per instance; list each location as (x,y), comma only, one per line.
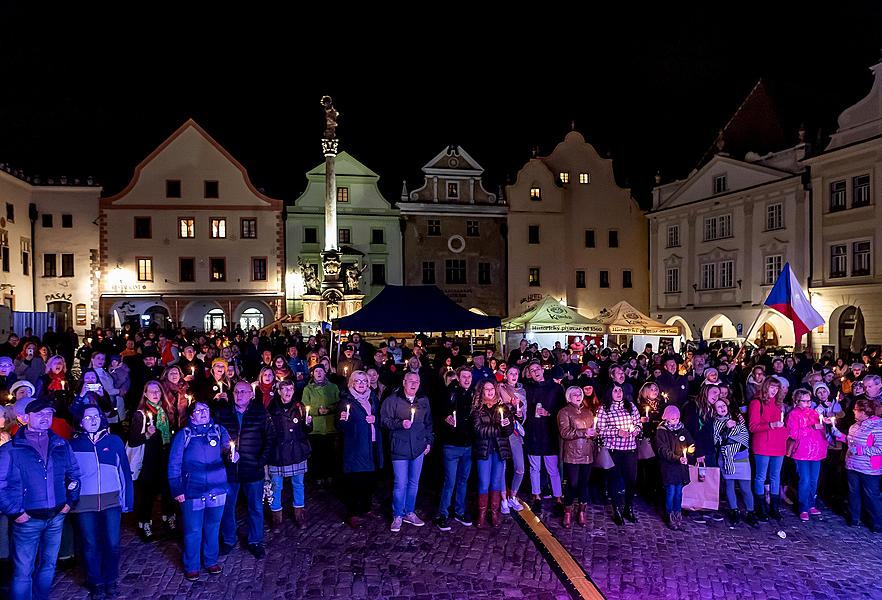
(27,484)
(105,476)
(196,466)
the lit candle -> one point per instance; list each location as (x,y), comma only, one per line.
(62,385)
(232,448)
(307,410)
(412,412)
(647,412)
(189,399)
(821,417)
(665,396)
(500,413)
(347,408)
(254,387)
(345,371)
(192,370)
(454,418)
(684,452)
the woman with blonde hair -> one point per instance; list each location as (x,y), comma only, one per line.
(513,393)
(493,423)
(576,424)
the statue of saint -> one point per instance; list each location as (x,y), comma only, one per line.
(353,275)
(310,278)
(331,115)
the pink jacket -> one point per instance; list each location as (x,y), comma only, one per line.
(764,440)
(811,443)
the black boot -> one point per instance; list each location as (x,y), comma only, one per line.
(617,516)
(733,517)
(629,514)
(775,507)
(759,506)
(750,519)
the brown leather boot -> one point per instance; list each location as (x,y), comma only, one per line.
(277,521)
(583,514)
(482,511)
(300,518)
(568,517)
(495,503)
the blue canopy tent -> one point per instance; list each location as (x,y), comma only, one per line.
(413,308)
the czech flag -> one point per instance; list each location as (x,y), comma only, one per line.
(788,299)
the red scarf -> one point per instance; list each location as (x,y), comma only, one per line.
(265,389)
(55,380)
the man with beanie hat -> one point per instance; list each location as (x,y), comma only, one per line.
(39,484)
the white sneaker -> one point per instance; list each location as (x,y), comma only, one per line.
(413,519)
(503,507)
(396,525)
(514,504)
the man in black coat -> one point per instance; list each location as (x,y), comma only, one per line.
(673,387)
(252,432)
(541,443)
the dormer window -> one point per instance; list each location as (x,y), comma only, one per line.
(535,194)
(453,190)
(564,177)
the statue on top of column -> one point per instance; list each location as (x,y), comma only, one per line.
(331,115)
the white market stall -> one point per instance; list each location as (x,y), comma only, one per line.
(625,320)
(549,322)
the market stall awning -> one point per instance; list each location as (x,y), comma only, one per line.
(413,308)
(550,316)
(624,319)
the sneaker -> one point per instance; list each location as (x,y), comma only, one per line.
(803,516)
(147,532)
(503,507)
(699,518)
(257,551)
(442,523)
(171,523)
(191,575)
(717,517)
(413,519)
(214,569)
(396,525)
(814,512)
(463,519)
(514,504)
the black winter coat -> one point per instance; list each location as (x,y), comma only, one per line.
(669,446)
(254,442)
(292,434)
(459,400)
(489,432)
(542,437)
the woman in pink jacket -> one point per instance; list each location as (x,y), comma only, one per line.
(768,441)
(806,427)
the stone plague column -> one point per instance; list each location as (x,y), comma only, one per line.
(332,286)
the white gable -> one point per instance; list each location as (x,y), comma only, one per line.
(863,120)
(350,173)
(453,159)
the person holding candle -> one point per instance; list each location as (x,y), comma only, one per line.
(362,446)
(292,427)
(198,479)
(217,389)
(151,428)
(674,445)
(7,378)
(732,441)
(349,363)
(576,425)
(323,399)
(252,431)
(192,367)
(863,463)
(106,493)
(55,384)
(541,441)
(618,423)
(493,424)
(513,393)
(456,435)
(805,426)
(408,418)
(768,441)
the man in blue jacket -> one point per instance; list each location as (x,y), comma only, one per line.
(39,484)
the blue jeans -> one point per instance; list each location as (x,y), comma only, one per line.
(490,473)
(772,466)
(99,536)
(296,486)
(746,495)
(254,496)
(35,541)
(457,468)
(406,486)
(673,497)
(808,471)
(200,534)
(864,487)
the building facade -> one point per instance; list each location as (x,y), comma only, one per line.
(369,232)
(49,247)
(191,241)
(718,241)
(846,221)
(574,234)
(454,233)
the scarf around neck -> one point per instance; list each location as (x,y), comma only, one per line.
(160,422)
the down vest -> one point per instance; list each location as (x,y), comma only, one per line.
(255,441)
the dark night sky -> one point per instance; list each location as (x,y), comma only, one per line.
(83,97)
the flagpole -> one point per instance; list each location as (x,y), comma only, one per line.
(747,332)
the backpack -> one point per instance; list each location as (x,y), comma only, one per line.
(212,433)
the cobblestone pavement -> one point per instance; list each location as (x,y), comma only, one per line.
(818,560)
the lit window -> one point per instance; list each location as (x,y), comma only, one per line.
(535,194)
(342,194)
(452,190)
(218,228)
(564,177)
(145,269)
(533,277)
(186,227)
(218,267)
(584,178)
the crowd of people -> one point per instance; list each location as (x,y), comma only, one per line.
(196,421)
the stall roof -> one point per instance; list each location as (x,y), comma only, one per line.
(413,308)
(550,316)
(624,319)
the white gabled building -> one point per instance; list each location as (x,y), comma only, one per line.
(191,241)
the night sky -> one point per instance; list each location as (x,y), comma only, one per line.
(89,96)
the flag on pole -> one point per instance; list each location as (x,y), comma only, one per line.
(788,298)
